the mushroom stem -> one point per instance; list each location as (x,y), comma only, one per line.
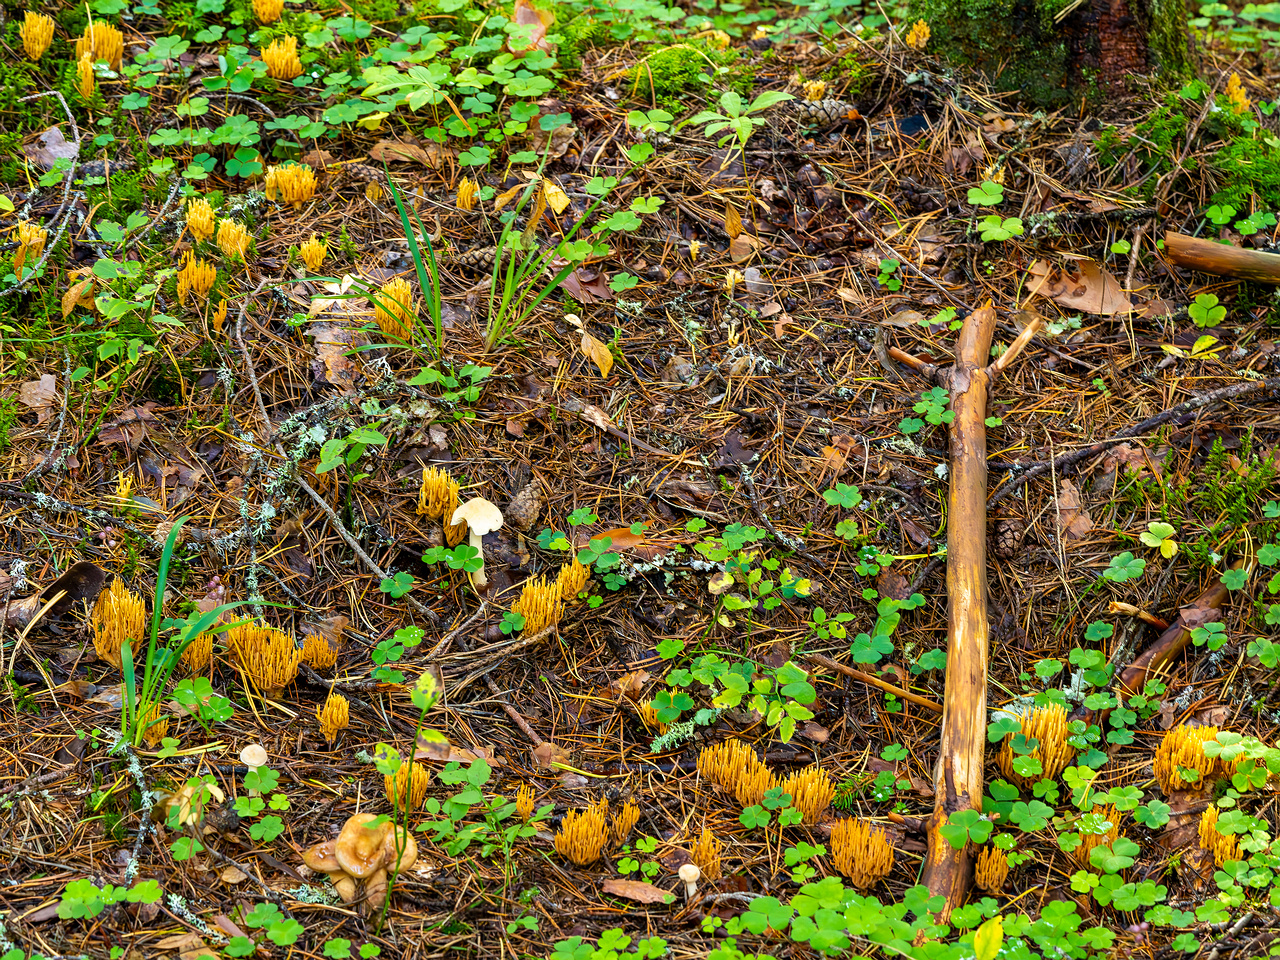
(476,540)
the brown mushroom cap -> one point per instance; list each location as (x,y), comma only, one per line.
(320,858)
(359,848)
(410,855)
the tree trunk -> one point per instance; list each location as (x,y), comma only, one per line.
(1059,51)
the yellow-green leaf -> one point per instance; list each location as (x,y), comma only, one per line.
(986,942)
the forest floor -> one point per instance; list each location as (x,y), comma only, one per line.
(714,409)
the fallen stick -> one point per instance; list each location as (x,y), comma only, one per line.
(963,738)
(1222,259)
(868,678)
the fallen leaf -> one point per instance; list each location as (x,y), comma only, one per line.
(1074,521)
(547,753)
(388,151)
(200,953)
(587,286)
(742,247)
(502,199)
(180,941)
(637,890)
(233,875)
(40,395)
(318,159)
(51,147)
(630,684)
(620,538)
(79,294)
(538,21)
(336,360)
(598,353)
(732,222)
(1083,286)
(131,427)
(557,199)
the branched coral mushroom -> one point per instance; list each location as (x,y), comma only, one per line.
(334,715)
(582,836)
(281,58)
(438,494)
(811,791)
(294,183)
(118,615)
(706,854)
(991,869)
(268,11)
(318,652)
(101,41)
(734,766)
(572,579)
(861,852)
(199,653)
(539,604)
(233,239)
(36,33)
(467,191)
(195,278)
(313,253)
(84,77)
(1047,726)
(408,785)
(524,802)
(200,218)
(1180,763)
(624,821)
(268,657)
(1223,846)
(1107,821)
(394,309)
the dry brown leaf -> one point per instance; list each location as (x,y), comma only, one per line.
(732,222)
(620,538)
(742,247)
(548,753)
(199,953)
(637,890)
(233,875)
(50,148)
(1082,286)
(389,151)
(506,196)
(598,353)
(1074,521)
(538,21)
(179,941)
(39,395)
(631,684)
(79,294)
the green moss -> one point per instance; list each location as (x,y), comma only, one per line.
(9,412)
(581,33)
(1250,175)
(1155,143)
(852,73)
(667,73)
(128,193)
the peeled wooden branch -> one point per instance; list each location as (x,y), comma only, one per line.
(1222,260)
(963,739)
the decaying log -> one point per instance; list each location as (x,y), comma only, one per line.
(963,740)
(1222,260)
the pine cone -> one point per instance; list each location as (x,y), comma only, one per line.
(825,111)
(1009,534)
(479,260)
(526,506)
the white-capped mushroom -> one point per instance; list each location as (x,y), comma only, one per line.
(481,516)
(690,873)
(254,755)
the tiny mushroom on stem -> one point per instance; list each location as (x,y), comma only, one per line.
(481,517)
(254,756)
(690,873)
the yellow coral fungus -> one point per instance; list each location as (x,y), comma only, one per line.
(624,821)
(333,715)
(1236,96)
(200,218)
(195,278)
(267,656)
(268,11)
(294,183)
(31,240)
(811,791)
(318,652)
(582,836)
(1223,846)
(814,89)
(725,762)
(1097,829)
(313,253)
(407,785)
(539,604)
(918,35)
(84,77)
(199,653)
(572,579)
(438,494)
(1180,763)
(395,310)
(154,726)
(706,854)
(524,802)
(118,615)
(101,41)
(219,316)
(233,239)
(991,869)
(861,852)
(281,58)
(467,191)
(1047,726)
(37,33)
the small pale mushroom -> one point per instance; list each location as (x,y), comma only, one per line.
(690,873)
(254,755)
(481,516)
